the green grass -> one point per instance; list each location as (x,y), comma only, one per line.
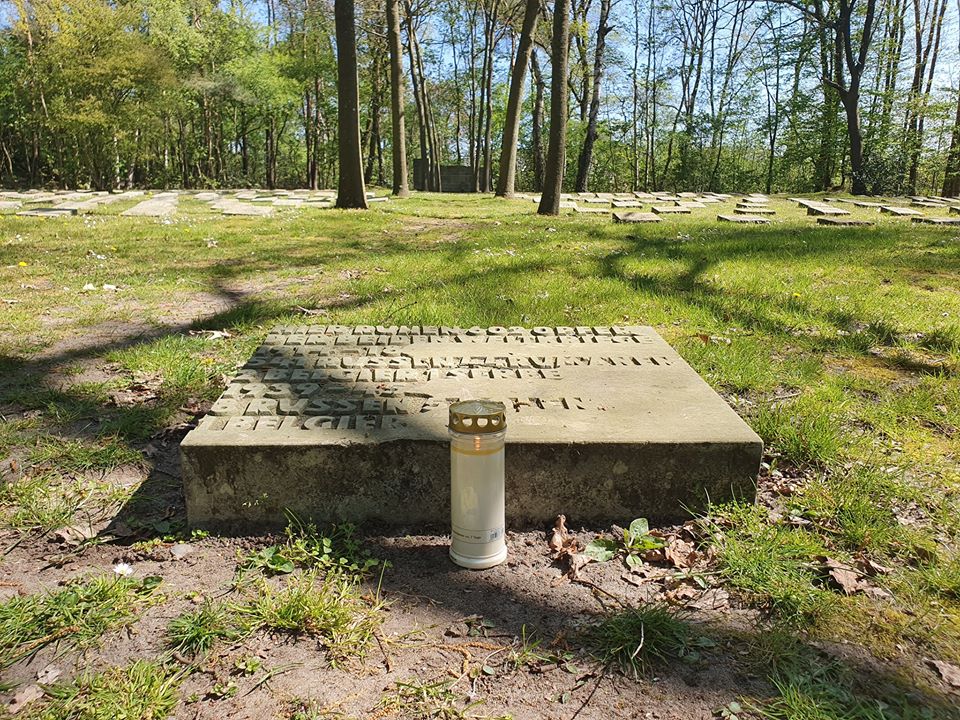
(77,615)
(197,631)
(773,565)
(145,690)
(840,346)
(332,610)
(639,639)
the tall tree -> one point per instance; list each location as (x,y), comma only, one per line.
(586,152)
(351,192)
(400,188)
(557,148)
(511,127)
(536,123)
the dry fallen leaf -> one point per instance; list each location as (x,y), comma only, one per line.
(949,673)
(680,554)
(560,535)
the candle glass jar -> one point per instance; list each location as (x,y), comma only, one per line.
(477,497)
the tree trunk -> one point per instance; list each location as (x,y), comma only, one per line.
(556,152)
(511,127)
(586,153)
(951,177)
(350,189)
(536,138)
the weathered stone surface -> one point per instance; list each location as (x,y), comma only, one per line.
(899,211)
(48,212)
(627,203)
(10,204)
(349,423)
(671,210)
(753,210)
(160,205)
(595,209)
(753,219)
(843,222)
(692,204)
(936,220)
(635,217)
(826,210)
(955,209)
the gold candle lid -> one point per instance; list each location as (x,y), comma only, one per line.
(478,416)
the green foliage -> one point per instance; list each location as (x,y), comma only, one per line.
(307,548)
(333,610)
(772,563)
(638,639)
(145,690)
(197,631)
(636,541)
(77,615)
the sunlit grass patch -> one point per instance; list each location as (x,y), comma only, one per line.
(773,564)
(79,456)
(41,501)
(197,631)
(333,610)
(806,431)
(77,614)
(145,690)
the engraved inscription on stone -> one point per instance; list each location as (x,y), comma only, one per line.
(335,377)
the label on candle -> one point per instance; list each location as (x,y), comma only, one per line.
(477,537)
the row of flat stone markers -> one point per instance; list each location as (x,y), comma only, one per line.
(165,204)
(751,209)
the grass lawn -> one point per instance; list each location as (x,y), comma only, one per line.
(839,346)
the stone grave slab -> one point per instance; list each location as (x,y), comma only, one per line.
(866,204)
(843,222)
(635,217)
(936,220)
(10,204)
(692,204)
(753,219)
(48,212)
(627,203)
(671,210)
(955,209)
(926,204)
(753,210)
(592,209)
(899,211)
(338,423)
(597,200)
(378,199)
(160,205)
(826,210)
(235,207)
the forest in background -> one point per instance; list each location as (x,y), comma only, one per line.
(710,95)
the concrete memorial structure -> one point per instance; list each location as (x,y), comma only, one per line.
(343,423)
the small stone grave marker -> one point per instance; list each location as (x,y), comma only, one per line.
(843,222)
(339,423)
(826,210)
(936,220)
(752,219)
(635,217)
